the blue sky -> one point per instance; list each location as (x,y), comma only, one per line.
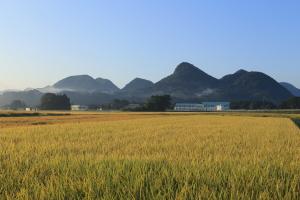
(43,41)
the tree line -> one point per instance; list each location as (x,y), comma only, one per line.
(154,103)
(50,101)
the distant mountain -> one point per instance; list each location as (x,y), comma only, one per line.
(295,91)
(85,83)
(30,98)
(190,83)
(137,84)
(244,85)
(95,98)
(82,89)
(106,86)
(77,83)
(186,82)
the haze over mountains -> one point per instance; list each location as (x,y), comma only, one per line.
(85,83)
(186,83)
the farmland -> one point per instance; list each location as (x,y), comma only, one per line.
(150,156)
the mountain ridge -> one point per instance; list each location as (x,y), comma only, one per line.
(86,83)
(186,83)
(137,84)
(185,80)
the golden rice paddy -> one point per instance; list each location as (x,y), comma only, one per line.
(149,156)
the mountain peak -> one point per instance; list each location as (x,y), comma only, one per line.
(71,81)
(241,71)
(85,83)
(82,76)
(187,72)
(138,79)
(137,84)
(186,80)
(237,74)
(185,67)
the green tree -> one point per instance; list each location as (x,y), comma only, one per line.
(158,103)
(292,103)
(119,104)
(252,105)
(116,104)
(52,101)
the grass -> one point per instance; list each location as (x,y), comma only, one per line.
(151,156)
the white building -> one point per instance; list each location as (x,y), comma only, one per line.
(79,108)
(28,109)
(216,106)
(204,107)
(188,107)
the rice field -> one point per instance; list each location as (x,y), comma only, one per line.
(149,156)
